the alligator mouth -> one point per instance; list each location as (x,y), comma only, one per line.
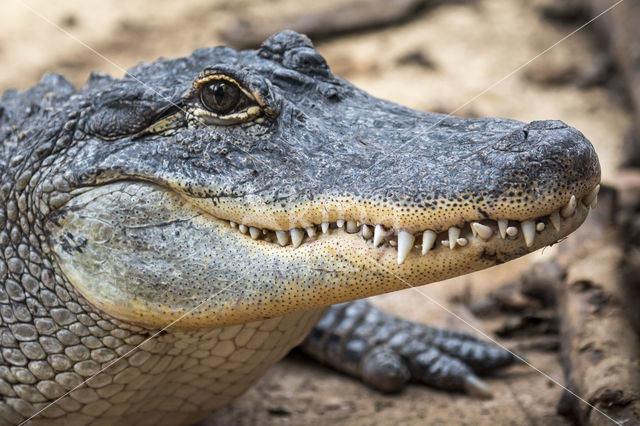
(427,241)
(145,254)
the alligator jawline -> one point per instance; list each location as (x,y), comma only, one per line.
(427,240)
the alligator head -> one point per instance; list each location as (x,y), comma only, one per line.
(236,186)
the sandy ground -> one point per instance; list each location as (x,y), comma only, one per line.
(479,58)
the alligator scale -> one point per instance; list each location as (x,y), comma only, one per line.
(234,196)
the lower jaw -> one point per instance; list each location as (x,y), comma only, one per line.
(337,268)
(239,278)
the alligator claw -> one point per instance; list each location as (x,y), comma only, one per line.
(476,387)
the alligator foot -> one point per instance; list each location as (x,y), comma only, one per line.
(387,352)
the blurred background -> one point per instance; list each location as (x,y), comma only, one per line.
(471,58)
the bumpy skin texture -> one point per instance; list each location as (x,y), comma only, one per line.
(387,352)
(119,212)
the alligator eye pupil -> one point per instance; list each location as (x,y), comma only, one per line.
(220,96)
(218,91)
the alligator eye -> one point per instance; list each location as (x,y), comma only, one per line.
(220,96)
(217,98)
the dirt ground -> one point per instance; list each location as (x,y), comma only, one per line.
(472,59)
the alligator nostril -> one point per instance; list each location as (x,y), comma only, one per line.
(513,142)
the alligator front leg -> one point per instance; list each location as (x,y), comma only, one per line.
(387,352)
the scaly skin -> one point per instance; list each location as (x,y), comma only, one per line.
(131,204)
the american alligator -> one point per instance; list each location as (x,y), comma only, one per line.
(232,196)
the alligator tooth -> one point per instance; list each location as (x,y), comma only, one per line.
(512,231)
(529,232)
(554,218)
(484,231)
(352,227)
(594,203)
(570,208)
(283,237)
(378,235)
(540,226)
(254,232)
(233,224)
(454,234)
(366,232)
(243,228)
(339,223)
(588,199)
(502,226)
(428,238)
(325,227)
(405,243)
(311,231)
(462,242)
(296,237)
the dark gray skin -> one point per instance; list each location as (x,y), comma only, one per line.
(120,205)
(387,353)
